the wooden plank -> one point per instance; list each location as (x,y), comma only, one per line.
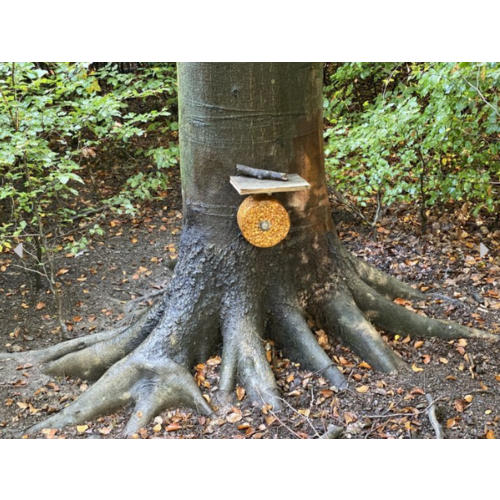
(249,185)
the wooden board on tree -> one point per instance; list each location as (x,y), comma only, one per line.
(249,185)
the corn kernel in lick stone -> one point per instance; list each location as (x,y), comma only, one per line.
(263,221)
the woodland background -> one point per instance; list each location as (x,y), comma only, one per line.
(89,184)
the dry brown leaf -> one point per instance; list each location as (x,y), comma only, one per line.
(216,360)
(363,389)
(490,435)
(235,416)
(62,271)
(402,302)
(81,428)
(469,398)
(350,417)
(418,344)
(49,433)
(40,305)
(173,427)
(240,393)
(416,369)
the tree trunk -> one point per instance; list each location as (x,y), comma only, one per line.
(227,294)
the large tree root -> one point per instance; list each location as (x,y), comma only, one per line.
(226,297)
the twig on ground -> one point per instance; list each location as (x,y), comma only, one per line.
(146,297)
(301,415)
(291,431)
(390,415)
(431,411)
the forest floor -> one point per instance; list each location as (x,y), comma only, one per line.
(130,261)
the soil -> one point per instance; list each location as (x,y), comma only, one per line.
(130,262)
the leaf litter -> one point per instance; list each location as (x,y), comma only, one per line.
(462,376)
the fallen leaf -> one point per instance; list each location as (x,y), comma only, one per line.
(235,416)
(157,428)
(490,435)
(49,433)
(62,271)
(468,398)
(362,389)
(350,417)
(240,393)
(418,344)
(415,368)
(402,302)
(40,305)
(81,428)
(444,361)
(173,427)
(216,360)
(451,422)
(364,364)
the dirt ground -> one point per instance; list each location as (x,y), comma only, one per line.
(131,261)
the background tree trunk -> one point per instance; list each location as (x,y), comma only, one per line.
(225,291)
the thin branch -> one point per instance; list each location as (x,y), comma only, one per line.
(279,420)
(303,416)
(480,93)
(431,411)
(390,415)
(29,269)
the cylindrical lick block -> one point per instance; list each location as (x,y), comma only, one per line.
(263,221)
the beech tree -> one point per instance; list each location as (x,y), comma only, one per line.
(228,294)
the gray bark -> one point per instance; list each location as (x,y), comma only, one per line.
(226,295)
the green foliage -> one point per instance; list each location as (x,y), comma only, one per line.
(55,115)
(414,131)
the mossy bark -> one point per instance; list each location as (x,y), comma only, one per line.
(227,295)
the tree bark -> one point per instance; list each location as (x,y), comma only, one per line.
(227,294)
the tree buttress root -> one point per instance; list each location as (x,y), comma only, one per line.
(228,297)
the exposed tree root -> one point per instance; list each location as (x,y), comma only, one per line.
(147,366)
(355,330)
(150,387)
(396,319)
